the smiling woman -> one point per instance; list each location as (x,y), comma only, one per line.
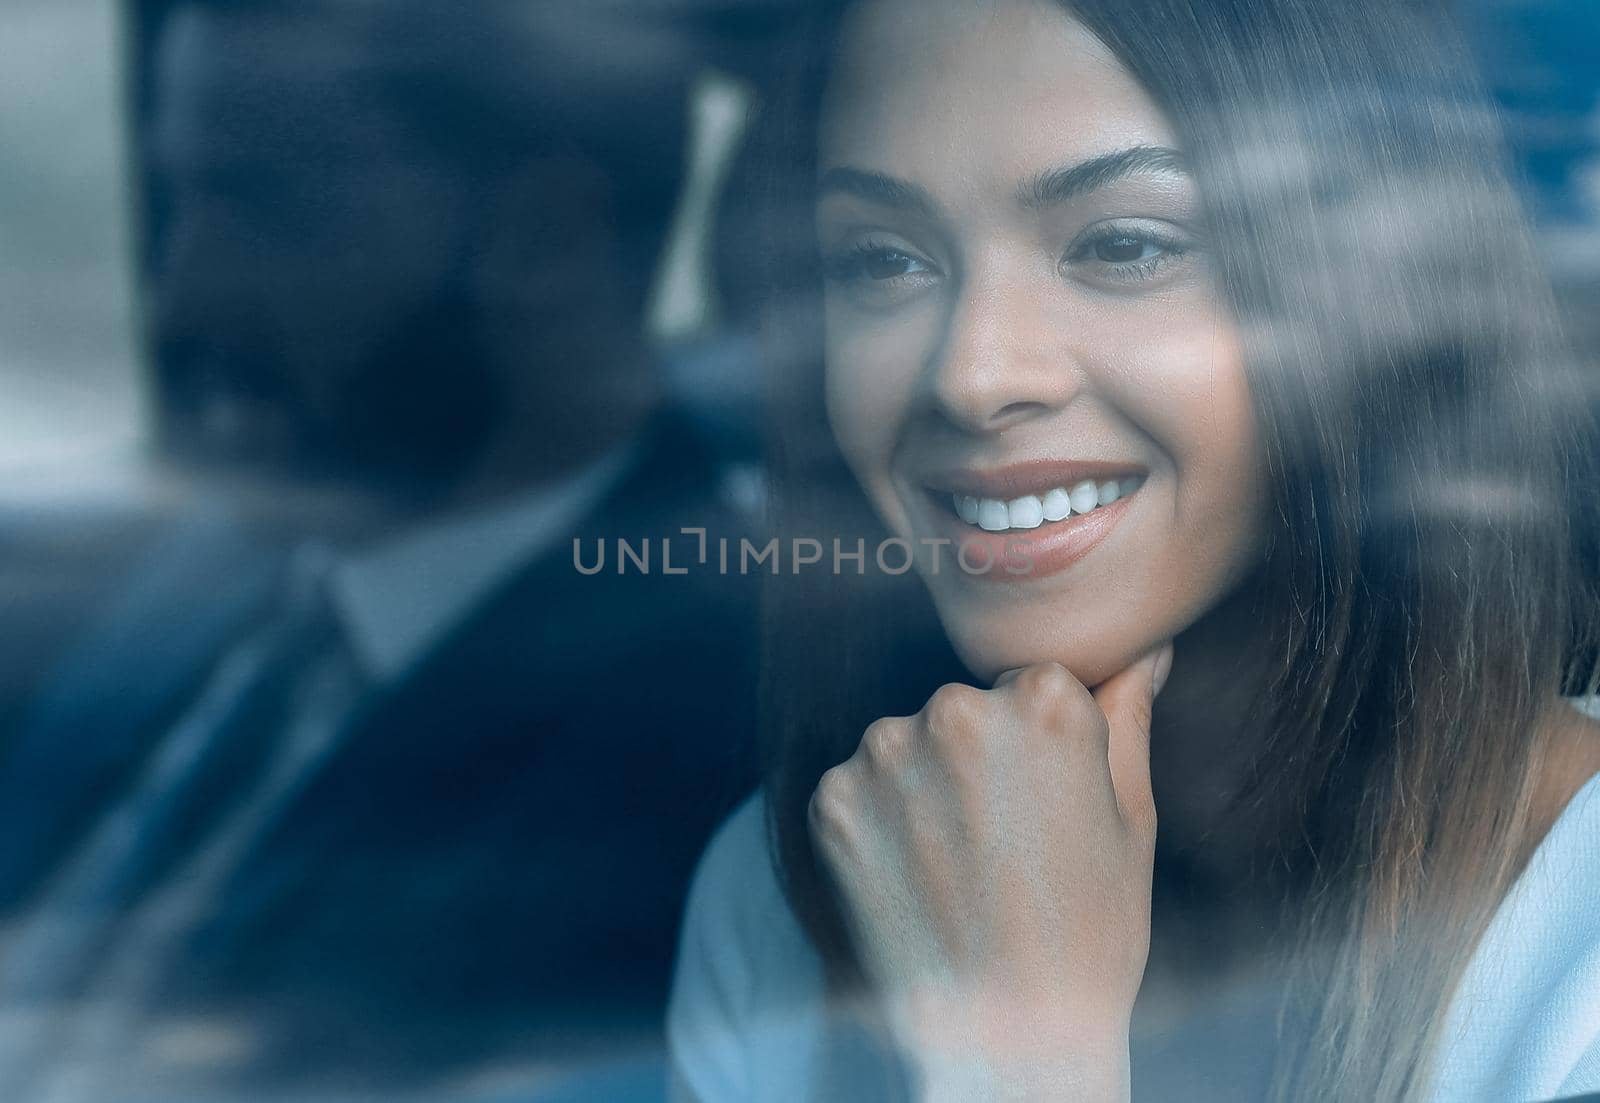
(1219,325)
(1038,315)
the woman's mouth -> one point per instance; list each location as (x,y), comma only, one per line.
(1030,519)
(1032,510)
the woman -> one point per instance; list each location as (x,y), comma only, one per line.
(1214,330)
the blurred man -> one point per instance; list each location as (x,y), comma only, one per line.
(357,785)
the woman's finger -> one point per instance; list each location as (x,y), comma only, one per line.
(1008,676)
(1126,700)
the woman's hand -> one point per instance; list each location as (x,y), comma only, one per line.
(993,854)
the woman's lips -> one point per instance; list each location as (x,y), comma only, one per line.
(1032,546)
(1031,477)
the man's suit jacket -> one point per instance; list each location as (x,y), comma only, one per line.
(489,867)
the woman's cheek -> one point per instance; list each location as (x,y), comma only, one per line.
(867,392)
(1204,421)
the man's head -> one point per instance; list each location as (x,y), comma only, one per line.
(382,252)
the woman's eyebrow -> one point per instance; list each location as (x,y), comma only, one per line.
(1061,184)
(1050,187)
(875,187)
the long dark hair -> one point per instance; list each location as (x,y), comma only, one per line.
(1426,442)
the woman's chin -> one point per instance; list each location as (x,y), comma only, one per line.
(988,655)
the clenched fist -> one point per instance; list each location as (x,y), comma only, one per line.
(993,855)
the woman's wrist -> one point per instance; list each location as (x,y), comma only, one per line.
(966,1058)
(1093,1076)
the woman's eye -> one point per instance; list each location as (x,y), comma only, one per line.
(878,273)
(886,264)
(1124,249)
(1127,255)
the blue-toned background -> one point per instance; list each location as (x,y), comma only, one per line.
(323,327)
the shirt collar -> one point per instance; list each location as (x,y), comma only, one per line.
(399,598)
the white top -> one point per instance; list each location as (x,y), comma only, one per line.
(746,1015)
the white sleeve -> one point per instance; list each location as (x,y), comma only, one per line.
(1524,1023)
(1584,1079)
(746,999)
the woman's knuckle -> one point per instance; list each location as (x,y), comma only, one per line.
(1046,680)
(1042,684)
(886,742)
(830,801)
(1050,694)
(952,710)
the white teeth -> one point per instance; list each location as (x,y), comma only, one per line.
(993,515)
(1031,510)
(1026,512)
(1085,496)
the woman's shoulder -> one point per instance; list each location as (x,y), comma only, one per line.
(737,906)
(1525,1023)
(739,853)
(748,990)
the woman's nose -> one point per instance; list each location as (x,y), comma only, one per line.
(1002,361)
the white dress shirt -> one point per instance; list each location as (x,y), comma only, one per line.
(746,1020)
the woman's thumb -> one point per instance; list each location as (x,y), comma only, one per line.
(1126,700)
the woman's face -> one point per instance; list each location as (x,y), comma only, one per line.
(1027,358)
